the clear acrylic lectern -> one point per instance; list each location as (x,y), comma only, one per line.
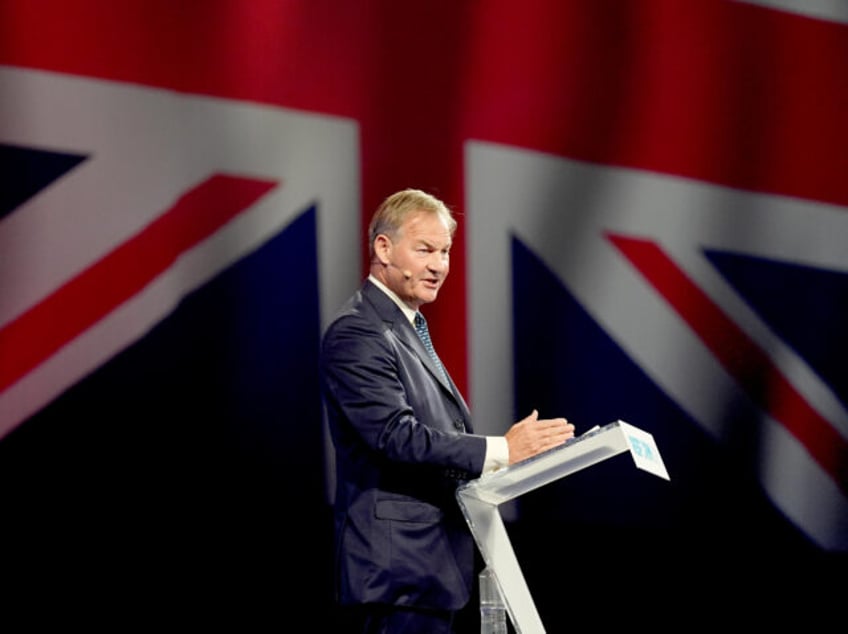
(480,498)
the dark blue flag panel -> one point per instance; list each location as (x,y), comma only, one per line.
(799,303)
(26,171)
(612,535)
(192,460)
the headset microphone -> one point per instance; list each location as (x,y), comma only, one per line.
(407,274)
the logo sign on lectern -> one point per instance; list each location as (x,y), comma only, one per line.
(644,450)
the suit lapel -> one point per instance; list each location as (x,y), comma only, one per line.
(389,312)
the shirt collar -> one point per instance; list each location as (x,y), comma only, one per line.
(409,312)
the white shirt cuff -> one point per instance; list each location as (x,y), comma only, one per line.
(497,454)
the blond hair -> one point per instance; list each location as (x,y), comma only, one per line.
(394,210)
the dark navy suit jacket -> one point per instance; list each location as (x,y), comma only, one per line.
(404,442)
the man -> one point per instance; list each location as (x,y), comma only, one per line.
(403,434)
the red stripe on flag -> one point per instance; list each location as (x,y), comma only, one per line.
(38,333)
(761,379)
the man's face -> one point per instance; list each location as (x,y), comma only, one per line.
(419,259)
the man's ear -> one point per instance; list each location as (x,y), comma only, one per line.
(383,248)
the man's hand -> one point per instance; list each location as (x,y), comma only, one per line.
(532,435)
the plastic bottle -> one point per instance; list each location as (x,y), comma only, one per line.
(492,607)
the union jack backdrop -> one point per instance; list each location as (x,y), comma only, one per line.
(653,227)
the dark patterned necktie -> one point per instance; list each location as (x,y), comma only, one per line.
(424,335)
